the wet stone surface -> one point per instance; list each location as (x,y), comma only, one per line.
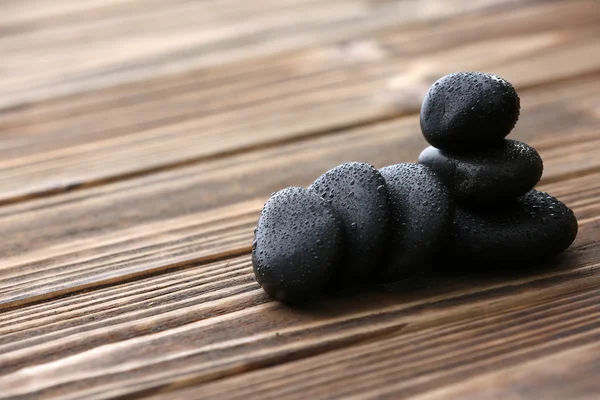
(469,110)
(358,194)
(422,211)
(530,229)
(298,244)
(487,177)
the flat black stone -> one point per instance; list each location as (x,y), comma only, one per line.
(422,211)
(469,110)
(358,194)
(297,245)
(530,229)
(490,176)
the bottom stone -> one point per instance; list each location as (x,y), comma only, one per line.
(533,228)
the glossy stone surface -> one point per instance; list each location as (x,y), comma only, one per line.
(530,229)
(469,110)
(490,176)
(422,211)
(298,244)
(358,194)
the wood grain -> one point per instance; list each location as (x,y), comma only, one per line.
(144,225)
(582,200)
(139,140)
(128,131)
(144,249)
(548,377)
(405,365)
(99,44)
(212,321)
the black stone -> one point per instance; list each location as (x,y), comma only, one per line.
(358,195)
(422,211)
(490,176)
(297,245)
(469,110)
(530,229)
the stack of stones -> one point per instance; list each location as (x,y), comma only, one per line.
(470,199)
(499,217)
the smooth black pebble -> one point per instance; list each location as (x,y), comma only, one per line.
(530,229)
(469,110)
(297,245)
(422,211)
(484,177)
(358,194)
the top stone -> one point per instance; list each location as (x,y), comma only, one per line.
(469,110)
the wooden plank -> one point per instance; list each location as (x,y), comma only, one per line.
(158,124)
(409,363)
(568,374)
(37,332)
(25,12)
(212,322)
(116,232)
(87,49)
(143,249)
(132,40)
(149,296)
(569,191)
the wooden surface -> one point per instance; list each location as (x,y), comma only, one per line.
(139,140)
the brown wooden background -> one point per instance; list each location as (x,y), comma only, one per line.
(140,138)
